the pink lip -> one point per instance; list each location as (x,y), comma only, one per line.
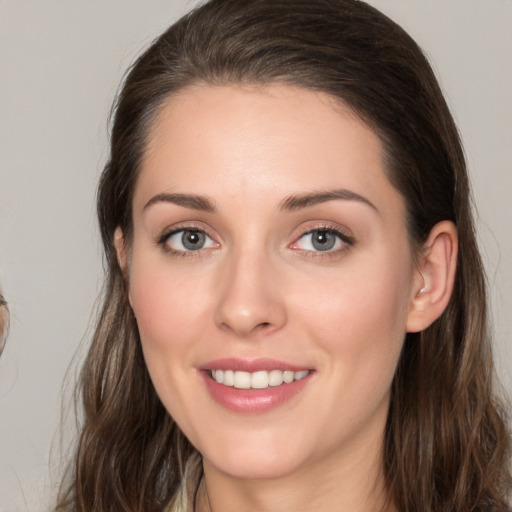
(252,401)
(251,365)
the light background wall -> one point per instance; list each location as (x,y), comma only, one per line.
(60,63)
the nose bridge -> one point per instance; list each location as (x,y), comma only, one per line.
(250,299)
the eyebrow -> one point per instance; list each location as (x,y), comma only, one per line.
(308,200)
(194,202)
(291,203)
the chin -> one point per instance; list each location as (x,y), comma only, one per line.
(259,467)
(243,454)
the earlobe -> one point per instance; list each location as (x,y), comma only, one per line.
(435,278)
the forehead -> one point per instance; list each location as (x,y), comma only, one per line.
(257,141)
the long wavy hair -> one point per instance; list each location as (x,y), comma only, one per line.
(446,440)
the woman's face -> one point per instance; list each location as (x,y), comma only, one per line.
(269,246)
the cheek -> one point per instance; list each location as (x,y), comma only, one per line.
(358,318)
(170,318)
(162,300)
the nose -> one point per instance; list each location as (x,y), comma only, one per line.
(251,299)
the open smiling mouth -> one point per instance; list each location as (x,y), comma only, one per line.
(257,380)
(254,386)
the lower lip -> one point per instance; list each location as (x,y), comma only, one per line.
(253,400)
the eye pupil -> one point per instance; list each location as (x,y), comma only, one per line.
(323,240)
(193,240)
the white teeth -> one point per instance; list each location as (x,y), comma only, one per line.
(275,378)
(301,374)
(229,378)
(242,380)
(288,376)
(259,380)
(256,380)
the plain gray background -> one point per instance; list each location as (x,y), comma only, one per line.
(60,65)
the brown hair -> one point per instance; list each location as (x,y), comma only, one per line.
(446,445)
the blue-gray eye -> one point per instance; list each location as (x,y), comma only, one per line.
(189,240)
(193,240)
(320,240)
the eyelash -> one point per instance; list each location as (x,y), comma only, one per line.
(345,239)
(162,241)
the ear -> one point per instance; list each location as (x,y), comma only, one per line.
(121,250)
(435,275)
(122,253)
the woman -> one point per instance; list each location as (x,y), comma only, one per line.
(294,315)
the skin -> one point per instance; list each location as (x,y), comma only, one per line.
(259,288)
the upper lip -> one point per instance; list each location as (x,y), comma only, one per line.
(251,365)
